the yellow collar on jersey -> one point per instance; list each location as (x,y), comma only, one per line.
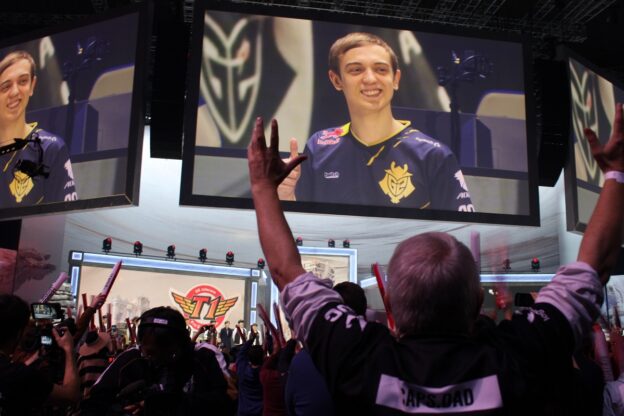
(347,127)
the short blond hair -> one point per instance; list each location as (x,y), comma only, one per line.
(355,40)
(15,56)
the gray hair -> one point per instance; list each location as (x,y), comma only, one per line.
(433,285)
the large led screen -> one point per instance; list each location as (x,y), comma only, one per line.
(71,118)
(440,133)
(593,99)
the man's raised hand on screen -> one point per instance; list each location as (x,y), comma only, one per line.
(286,189)
(611,155)
(266,168)
(266,171)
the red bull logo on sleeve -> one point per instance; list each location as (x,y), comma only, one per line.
(330,137)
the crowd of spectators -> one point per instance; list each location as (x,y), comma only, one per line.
(162,371)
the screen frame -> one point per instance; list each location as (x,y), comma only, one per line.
(330,252)
(130,195)
(573,221)
(187,197)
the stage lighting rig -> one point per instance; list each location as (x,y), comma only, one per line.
(331,243)
(261,263)
(299,241)
(229,258)
(107,245)
(171,251)
(203,255)
(138,248)
(346,244)
(535,264)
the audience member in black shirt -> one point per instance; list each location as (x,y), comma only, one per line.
(163,374)
(23,387)
(433,364)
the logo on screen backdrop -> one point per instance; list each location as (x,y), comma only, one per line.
(255,66)
(585,113)
(202,304)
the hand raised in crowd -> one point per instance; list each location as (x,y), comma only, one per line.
(98,301)
(611,155)
(65,341)
(200,331)
(266,167)
(286,189)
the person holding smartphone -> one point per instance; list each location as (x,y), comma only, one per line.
(23,387)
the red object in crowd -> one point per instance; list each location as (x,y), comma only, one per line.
(382,292)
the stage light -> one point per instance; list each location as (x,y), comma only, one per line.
(107,245)
(299,241)
(261,263)
(535,264)
(138,248)
(331,243)
(506,265)
(346,244)
(229,258)
(203,255)
(171,251)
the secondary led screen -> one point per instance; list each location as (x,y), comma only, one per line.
(593,99)
(200,298)
(74,96)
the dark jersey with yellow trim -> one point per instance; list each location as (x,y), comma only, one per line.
(18,189)
(409,170)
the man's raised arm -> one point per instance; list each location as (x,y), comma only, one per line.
(603,236)
(266,171)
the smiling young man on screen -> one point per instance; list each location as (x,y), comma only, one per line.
(37,171)
(438,361)
(374,159)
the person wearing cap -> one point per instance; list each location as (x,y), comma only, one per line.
(163,373)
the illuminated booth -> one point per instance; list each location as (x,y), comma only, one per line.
(201,292)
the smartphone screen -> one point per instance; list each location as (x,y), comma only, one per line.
(46,340)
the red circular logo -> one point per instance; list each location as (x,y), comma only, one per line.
(202,305)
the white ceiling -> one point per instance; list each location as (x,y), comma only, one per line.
(159,221)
